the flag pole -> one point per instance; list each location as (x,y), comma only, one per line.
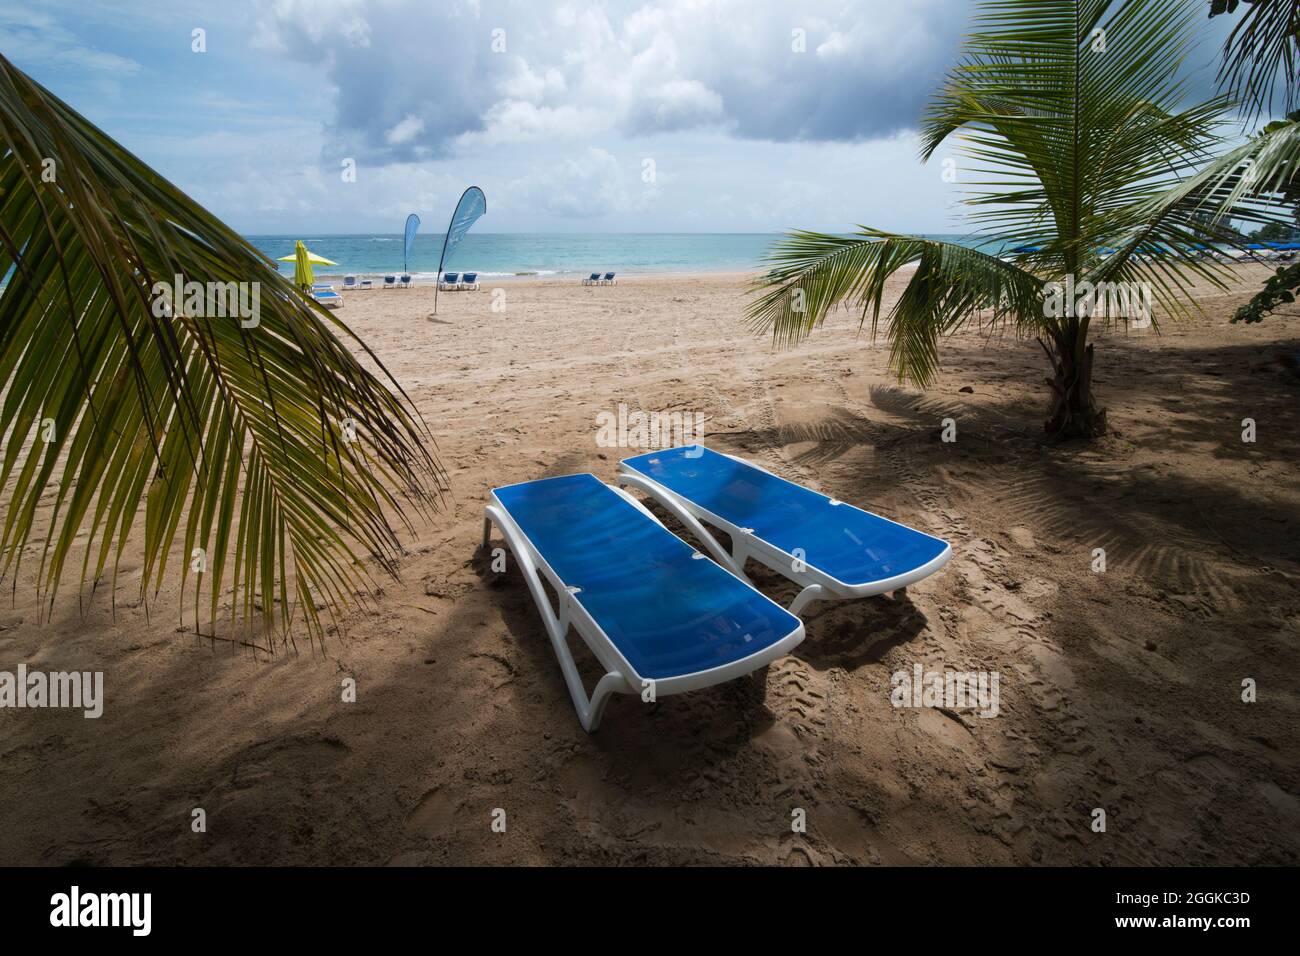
(446,239)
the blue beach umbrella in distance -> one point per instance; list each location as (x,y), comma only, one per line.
(472,205)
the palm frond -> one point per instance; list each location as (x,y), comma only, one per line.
(1069,112)
(811,272)
(1261,56)
(1254,183)
(120,403)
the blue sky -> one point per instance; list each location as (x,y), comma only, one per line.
(751,115)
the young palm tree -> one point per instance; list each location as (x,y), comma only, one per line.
(1073,125)
(258,441)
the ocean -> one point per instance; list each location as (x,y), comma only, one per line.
(500,255)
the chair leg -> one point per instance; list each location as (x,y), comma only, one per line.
(757,681)
(805,597)
(740,553)
(590,710)
(606,688)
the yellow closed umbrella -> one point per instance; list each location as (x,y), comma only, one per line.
(302,259)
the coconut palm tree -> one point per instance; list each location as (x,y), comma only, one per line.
(229,429)
(1073,128)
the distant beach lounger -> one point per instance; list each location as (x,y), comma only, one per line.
(608,280)
(349,282)
(593,279)
(654,612)
(405,282)
(366,284)
(469,281)
(390,282)
(327,298)
(450,281)
(836,551)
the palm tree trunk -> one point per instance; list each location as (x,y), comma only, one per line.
(1073,412)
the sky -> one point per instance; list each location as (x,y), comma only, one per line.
(575,116)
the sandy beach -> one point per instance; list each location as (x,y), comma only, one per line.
(1119,690)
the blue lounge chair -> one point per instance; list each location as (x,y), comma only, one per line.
(593,279)
(450,281)
(328,298)
(349,282)
(836,551)
(469,280)
(390,282)
(608,280)
(656,613)
(405,282)
(366,284)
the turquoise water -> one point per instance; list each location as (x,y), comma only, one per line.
(495,255)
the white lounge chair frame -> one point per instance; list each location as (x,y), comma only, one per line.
(620,676)
(746,546)
(332,300)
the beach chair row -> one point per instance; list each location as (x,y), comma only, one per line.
(455,282)
(663,617)
(390,282)
(597,279)
(1273,251)
(449,281)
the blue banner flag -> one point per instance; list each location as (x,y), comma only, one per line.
(412,224)
(472,205)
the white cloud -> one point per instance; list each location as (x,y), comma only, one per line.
(591,185)
(405,131)
(627,67)
(515,121)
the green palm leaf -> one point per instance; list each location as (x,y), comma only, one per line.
(269,452)
(1261,56)
(812,272)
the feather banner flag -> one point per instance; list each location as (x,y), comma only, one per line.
(472,205)
(412,225)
